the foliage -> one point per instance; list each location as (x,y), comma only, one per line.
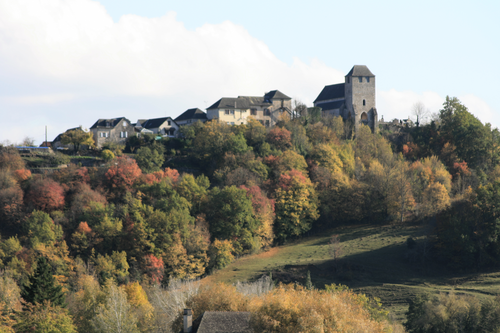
(221,253)
(45,194)
(123,173)
(151,158)
(77,137)
(452,313)
(107,155)
(44,318)
(43,287)
(296,205)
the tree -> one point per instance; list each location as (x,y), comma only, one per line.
(281,138)
(42,286)
(420,112)
(123,173)
(230,216)
(77,137)
(45,194)
(296,205)
(44,318)
(40,228)
(150,159)
(115,316)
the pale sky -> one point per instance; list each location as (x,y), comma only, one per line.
(65,63)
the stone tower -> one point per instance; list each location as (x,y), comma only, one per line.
(359,95)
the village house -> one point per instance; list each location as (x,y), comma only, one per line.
(191,116)
(114,130)
(353,100)
(165,126)
(215,321)
(235,111)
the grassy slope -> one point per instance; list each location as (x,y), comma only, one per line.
(375,261)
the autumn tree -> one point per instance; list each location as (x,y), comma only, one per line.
(42,318)
(45,194)
(122,175)
(77,137)
(281,138)
(296,205)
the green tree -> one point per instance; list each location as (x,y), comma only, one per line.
(230,216)
(77,137)
(42,286)
(150,159)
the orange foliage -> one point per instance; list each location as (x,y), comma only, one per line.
(46,195)
(172,174)
(22,174)
(461,168)
(154,268)
(123,173)
(84,228)
(287,180)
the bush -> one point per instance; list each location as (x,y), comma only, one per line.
(107,155)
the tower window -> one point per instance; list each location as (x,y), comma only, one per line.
(368,79)
(360,79)
(364,102)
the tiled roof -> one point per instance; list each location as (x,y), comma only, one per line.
(245,102)
(331,92)
(360,70)
(192,114)
(225,322)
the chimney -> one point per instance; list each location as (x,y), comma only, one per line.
(188,320)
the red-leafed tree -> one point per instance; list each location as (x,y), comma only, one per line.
(263,208)
(22,174)
(173,174)
(281,138)
(45,194)
(123,173)
(154,268)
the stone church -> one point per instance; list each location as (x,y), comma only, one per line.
(353,100)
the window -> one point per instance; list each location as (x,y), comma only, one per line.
(232,123)
(368,79)
(226,111)
(360,79)
(267,123)
(253,112)
(364,102)
(104,134)
(168,122)
(108,124)
(229,111)
(124,124)
(123,134)
(267,112)
(261,122)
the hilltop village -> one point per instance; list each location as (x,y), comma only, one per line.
(353,100)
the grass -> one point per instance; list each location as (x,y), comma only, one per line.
(375,260)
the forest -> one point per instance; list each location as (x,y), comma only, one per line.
(136,235)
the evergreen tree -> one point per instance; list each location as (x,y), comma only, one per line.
(42,286)
(309,284)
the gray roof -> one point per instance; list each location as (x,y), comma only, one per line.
(112,122)
(360,70)
(330,105)
(331,92)
(225,322)
(245,102)
(192,114)
(155,123)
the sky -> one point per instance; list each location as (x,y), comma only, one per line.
(67,63)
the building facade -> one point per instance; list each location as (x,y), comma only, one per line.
(353,100)
(235,111)
(115,130)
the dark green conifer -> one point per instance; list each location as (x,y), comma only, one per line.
(42,286)
(309,284)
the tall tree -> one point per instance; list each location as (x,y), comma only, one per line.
(42,286)
(77,137)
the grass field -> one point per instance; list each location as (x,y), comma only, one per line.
(374,260)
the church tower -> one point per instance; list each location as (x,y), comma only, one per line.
(359,89)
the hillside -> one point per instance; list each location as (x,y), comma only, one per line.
(376,261)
